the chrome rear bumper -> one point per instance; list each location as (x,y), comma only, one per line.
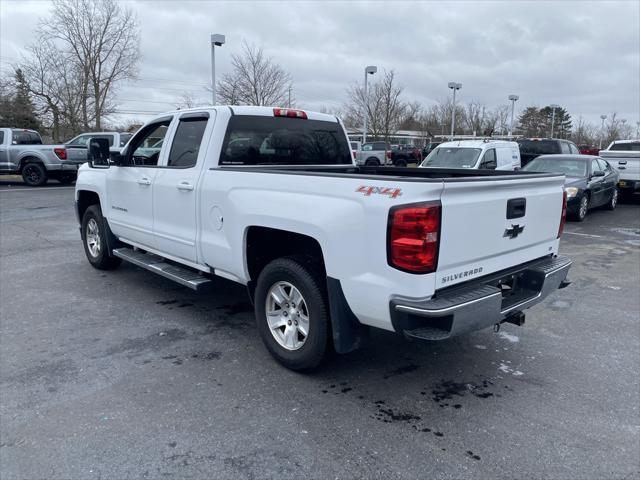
(481,303)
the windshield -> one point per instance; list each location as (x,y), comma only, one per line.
(80,140)
(452,157)
(124,138)
(557,164)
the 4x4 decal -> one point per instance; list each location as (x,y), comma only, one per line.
(390,192)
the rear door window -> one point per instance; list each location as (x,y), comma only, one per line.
(564,147)
(261,140)
(573,148)
(1,138)
(539,147)
(633,146)
(186,142)
(26,138)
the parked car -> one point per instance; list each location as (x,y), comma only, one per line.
(624,156)
(22,153)
(402,155)
(588,150)
(475,154)
(327,249)
(530,148)
(374,154)
(77,146)
(428,148)
(590,181)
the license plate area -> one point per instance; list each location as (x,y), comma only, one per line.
(519,287)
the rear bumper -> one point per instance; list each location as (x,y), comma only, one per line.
(481,303)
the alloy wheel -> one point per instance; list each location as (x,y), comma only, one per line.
(287,315)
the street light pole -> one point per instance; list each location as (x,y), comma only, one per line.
(553,116)
(622,130)
(370,70)
(217,40)
(454,86)
(603,118)
(514,99)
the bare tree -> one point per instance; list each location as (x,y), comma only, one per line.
(102,39)
(186,100)
(383,105)
(255,80)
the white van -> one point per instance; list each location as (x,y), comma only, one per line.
(477,154)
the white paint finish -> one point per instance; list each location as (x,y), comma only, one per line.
(350,227)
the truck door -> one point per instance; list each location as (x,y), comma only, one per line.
(176,187)
(130,186)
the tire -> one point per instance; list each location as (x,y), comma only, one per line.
(34,174)
(583,208)
(401,163)
(98,239)
(67,178)
(372,162)
(613,201)
(293,278)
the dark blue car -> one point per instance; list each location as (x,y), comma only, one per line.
(590,181)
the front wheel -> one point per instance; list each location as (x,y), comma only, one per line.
(583,208)
(34,174)
(95,233)
(292,313)
(613,201)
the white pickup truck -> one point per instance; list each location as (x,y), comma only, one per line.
(624,156)
(270,198)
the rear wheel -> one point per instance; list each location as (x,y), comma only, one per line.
(401,163)
(292,313)
(372,162)
(97,240)
(613,201)
(34,174)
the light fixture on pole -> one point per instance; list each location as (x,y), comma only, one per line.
(553,116)
(514,99)
(217,40)
(603,118)
(370,70)
(454,86)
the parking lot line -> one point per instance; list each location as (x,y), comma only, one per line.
(584,234)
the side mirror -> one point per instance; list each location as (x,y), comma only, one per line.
(598,173)
(98,155)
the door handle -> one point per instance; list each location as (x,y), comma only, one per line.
(184,186)
(144,181)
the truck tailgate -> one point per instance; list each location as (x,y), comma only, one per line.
(627,163)
(476,236)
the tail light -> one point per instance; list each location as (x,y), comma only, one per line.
(287,112)
(61,153)
(563,215)
(413,237)
(389,154)
(355,154)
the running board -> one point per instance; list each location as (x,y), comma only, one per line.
(154,263)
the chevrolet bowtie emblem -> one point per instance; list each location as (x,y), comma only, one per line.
(514,231)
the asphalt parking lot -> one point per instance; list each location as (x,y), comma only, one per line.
(123,374)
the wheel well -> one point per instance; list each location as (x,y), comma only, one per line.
(26,160)
(265,244)
(85,200)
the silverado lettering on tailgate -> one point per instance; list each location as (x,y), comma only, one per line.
(456,276)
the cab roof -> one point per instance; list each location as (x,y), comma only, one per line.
(478,144)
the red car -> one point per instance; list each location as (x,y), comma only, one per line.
(588,150)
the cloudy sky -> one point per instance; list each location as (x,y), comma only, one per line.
(583,55)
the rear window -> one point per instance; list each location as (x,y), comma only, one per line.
(539,147)
(1,138)
(26,138)
(258,140)
(635,146)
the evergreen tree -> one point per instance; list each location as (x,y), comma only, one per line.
(24,114)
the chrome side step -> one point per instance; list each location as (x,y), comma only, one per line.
(153,263)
